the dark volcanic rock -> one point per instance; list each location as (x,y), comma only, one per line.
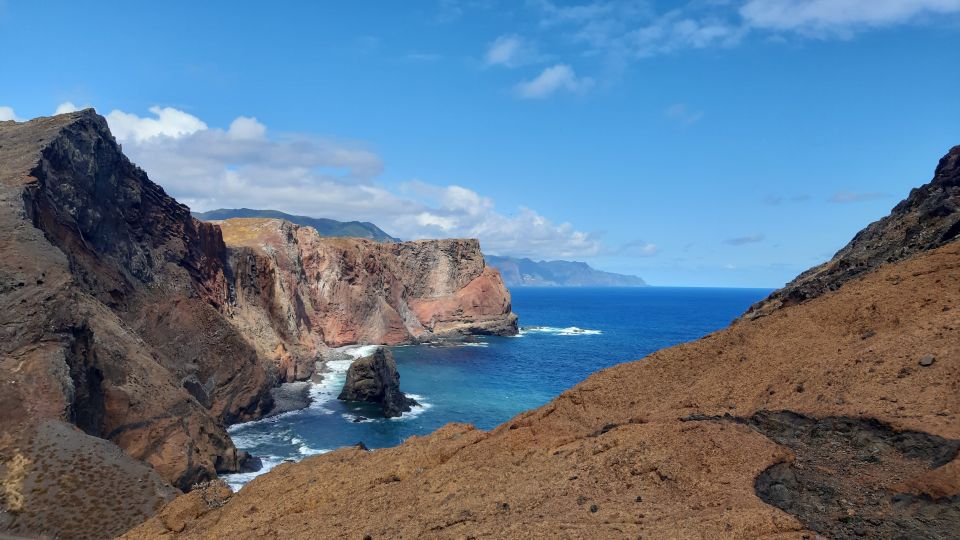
(374,379)
(113,329)
(927,219)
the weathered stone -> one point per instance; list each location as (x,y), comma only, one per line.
(374,379)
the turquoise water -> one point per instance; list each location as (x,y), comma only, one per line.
(568,334)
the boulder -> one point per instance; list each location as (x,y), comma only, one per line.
(374,379)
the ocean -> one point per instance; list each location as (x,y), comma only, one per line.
(567,334)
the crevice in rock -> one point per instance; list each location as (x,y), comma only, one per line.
(87,408)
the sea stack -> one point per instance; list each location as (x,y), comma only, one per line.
(374,379)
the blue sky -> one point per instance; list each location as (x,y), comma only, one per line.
(700,142)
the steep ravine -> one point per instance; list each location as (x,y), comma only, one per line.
(838,415)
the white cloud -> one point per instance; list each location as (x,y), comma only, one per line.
(679,112)
(639,248)
(246,165)
(552,79)
(744,240)
(244,128)
(843,197)
(66,107)
(511,51)
(7,113)
(824,17)
(168,122)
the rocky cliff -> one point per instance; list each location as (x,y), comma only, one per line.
(928,218)
(313,291)
(837,416)
(131,335)
(110,329)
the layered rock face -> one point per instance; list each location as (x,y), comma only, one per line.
(112,327)
(374,379)
(928,218)
(313,291)
(838,416)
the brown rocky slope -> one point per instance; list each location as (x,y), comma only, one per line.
(130,335)
(839,416)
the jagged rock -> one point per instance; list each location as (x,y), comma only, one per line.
(112,325)
(374,379)
(928,218)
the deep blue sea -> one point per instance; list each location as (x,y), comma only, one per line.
(568,333)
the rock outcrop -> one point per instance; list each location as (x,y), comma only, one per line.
(827,417)
(131,335)
(112,328)
(927,219)
(314,292)
(374,379)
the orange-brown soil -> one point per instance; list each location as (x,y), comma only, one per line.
(686,443)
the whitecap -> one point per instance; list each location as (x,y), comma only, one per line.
(414,411)
(307,451)
(568,331)
(237,480)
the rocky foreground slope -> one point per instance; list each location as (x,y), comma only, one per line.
(839,415)
(131,334)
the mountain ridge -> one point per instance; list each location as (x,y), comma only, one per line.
(525,272)
(324,226)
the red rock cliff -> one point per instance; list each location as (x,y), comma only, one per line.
(298,292)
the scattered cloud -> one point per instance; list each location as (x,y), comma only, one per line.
(512,51)
(422,57)
(777,200)
(167,123)
(66,107)
(843,197)
(743,240)
(247,165)
(842,18)
(682,114)
(551,80)
(639,248)
(7,113)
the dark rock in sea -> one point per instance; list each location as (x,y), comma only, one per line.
(291,396)
(374,379)
(248,463)
(927,219)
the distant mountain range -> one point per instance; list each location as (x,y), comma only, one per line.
(326,227)
(528,273)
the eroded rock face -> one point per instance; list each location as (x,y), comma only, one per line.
(374,379)
(928,218)
(314,292)
(113,325)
